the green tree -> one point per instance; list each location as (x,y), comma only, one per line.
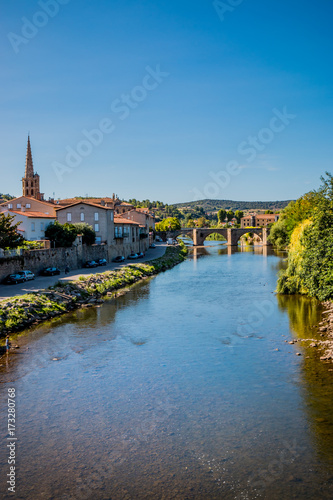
(63,235)
(202,222)
(221,215)
(9,237)
(291,216)
(190,223)
(88,234)
(230,215)
(269,211)
(169,224)
(310,258)
(279,235)
(239,214)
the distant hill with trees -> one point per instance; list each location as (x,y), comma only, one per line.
(193,210)
(213,205)
(6,197)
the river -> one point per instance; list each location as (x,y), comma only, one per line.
(183,388)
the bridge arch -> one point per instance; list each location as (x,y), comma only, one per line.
(186,234)
(253,231)
(222,232)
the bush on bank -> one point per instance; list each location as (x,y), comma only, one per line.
(23,311)
(310,258)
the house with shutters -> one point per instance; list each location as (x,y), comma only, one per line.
(99,217)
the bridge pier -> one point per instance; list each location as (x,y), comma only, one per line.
(265,234)
(232,238)
(198,238)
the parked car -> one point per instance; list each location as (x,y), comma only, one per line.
(119,258)
(28,275)
(133,256)
(50,271)
(102,262)
(11,279)
(90,263)
(141,255)
(152,245)
(159,239)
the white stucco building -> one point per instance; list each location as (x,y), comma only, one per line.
(32,224)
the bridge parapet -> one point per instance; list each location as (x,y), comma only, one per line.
(232,235)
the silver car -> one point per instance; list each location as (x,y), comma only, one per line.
(28,275)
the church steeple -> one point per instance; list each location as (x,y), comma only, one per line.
(29,167)
(30,181)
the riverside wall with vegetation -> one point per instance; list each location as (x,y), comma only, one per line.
(21,312)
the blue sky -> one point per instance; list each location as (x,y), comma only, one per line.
(177,89)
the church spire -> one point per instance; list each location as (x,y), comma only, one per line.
(29,167)
(30,181)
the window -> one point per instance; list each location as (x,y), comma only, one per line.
(118,232)
(28,205)
(42,226)
(10,205)
(18,205)
(69,217)
(96,228)
(111,214)
(96,216)
(82,216)
(32,226)
(98,240)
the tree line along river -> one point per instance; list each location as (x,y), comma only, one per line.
(184,387)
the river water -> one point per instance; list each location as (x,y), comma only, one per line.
(184,388)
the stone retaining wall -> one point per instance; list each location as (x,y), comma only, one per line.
(73,257)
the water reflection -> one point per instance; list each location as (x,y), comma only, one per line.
(153,395)
(304,315)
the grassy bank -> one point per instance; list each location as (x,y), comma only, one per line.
(20,312)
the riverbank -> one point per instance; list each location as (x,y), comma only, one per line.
(321,339)
(21,312)
(326,329)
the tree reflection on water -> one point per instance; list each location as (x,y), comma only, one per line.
(317,376)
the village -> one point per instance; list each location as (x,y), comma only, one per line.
(120,228)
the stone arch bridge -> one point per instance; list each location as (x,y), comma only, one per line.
(232,235)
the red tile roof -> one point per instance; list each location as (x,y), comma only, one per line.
(37,215)
(84,202)
(52,205)
(72,201)
(122,220)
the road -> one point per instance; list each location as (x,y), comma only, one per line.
(42,282)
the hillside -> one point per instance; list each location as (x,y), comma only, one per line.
(211,205)
(5,197)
